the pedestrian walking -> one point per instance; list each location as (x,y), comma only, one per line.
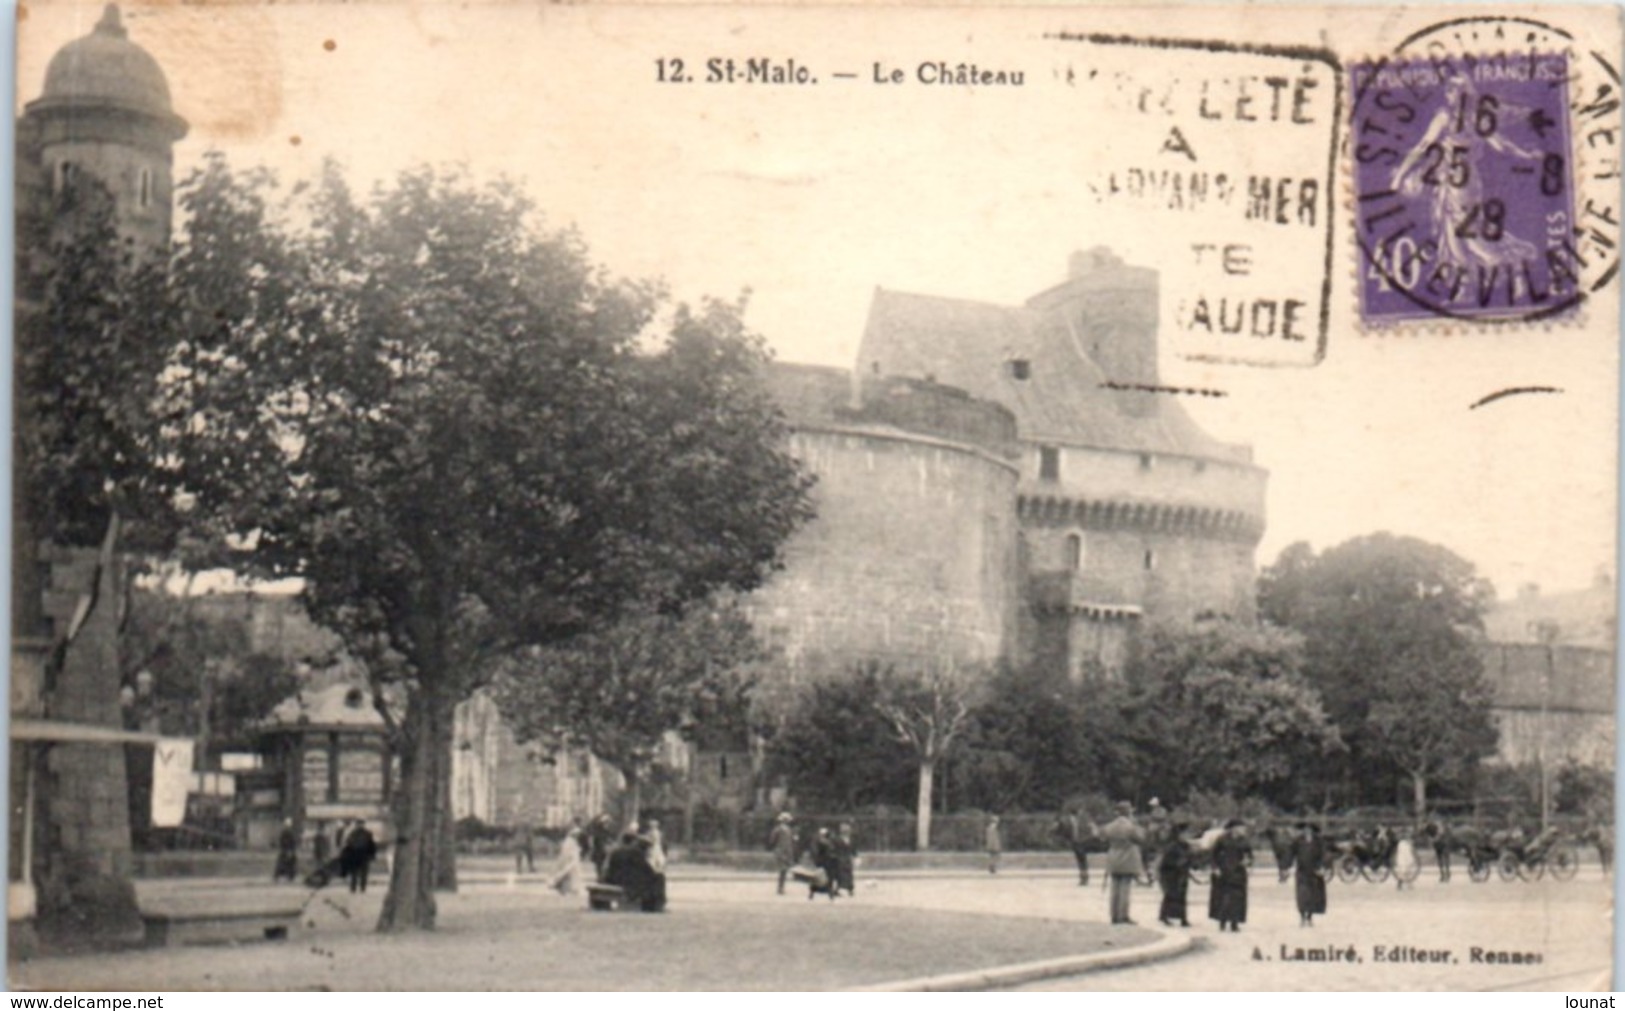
(782,841)
(566,878)
(1406,866)
(360,850)
(1232,857)
(599,839)
(1123,864)
(1309,872)
(823,859)
(287,853)
(1439,834)
(994,842)
(524,856)
(1071,828)
(657,847)
(1174,875)
(321,845)
(846,860)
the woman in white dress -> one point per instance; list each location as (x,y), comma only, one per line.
(567,873)
(1406,866)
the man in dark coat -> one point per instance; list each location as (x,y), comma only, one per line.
(782,841)
(823,858)
(524,857)
(845,854)
(1174,875)
(1081,837)
(360,850)
(287,852)
(1232,856)
(1309,867)
(599,837)
(1439,833)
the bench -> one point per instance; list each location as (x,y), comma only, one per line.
(164,929)
(608,899)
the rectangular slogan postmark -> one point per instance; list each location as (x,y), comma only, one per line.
(1230,151)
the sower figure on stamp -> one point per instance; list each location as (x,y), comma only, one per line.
(1123,863)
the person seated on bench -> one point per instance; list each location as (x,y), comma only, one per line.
(628,869)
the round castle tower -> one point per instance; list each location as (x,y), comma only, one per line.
(911,560)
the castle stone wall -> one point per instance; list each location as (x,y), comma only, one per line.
(911,560)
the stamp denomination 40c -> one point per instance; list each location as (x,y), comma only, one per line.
(1463,185)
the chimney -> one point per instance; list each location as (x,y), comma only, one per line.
(1109,309)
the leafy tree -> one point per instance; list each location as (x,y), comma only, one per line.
(620,690)
(205,678)
(464,438)
(1391,627)
(1038,738)
(927,711)
(1224,708)
(836,751)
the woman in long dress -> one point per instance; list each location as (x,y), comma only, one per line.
(1174,874)
(1232,856)
(567,872)
(1406,866)
(1308,867)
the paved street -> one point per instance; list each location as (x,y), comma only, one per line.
(501,934)
(1567,925)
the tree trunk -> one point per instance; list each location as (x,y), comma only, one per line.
(410,904)
(1419,796)
(445,868)
(922,808)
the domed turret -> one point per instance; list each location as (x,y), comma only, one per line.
(105,112)
(106,68)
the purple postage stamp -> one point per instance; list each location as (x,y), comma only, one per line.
(1463,188)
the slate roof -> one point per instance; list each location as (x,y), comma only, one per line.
(969,345)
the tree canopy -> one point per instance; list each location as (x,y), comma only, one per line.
(1392,627)
(620,690)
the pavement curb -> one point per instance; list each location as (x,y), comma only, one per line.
(1166,947)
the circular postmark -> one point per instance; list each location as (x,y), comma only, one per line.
(1469,202)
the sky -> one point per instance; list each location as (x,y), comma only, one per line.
(813,196)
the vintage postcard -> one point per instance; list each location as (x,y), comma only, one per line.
(918,497)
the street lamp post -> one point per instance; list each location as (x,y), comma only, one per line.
(1547,632)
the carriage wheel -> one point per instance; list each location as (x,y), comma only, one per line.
(1508,866)
(1565,861)
(1532,870)
(1377,874)
(1478,870)
(1348,868)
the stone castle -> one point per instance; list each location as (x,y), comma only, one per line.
(1008,483)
